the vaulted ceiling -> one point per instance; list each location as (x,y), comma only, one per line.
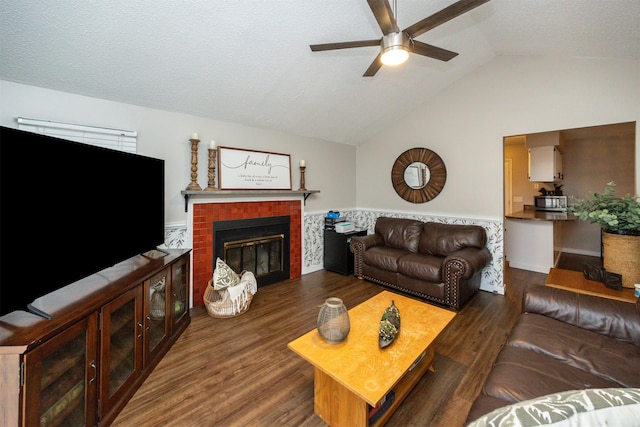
(249,61)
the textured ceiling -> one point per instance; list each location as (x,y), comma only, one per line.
(248,61)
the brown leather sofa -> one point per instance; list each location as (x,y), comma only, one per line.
(563,341)
(437,262)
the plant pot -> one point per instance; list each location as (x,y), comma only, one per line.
(621,253)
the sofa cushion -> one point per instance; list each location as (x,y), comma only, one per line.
(383,257)
(605,316)
(520,374)
(399,233)
(588,351)
(421,266)
(592,407)
(224,276)
(445,239)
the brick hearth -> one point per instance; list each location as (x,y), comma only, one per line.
(204,214)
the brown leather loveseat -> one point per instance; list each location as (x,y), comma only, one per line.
(563,341)
(438,262)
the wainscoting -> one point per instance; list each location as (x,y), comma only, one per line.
(312,240)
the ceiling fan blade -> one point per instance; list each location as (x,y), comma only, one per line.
(446,14)
(384,15)
(432,51)
(374,67)
(344,45)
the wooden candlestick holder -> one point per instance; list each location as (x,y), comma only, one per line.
(193,185)
(302,185)
(212,170)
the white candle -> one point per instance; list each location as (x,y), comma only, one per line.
(194,136)
(302,163)
(212,145)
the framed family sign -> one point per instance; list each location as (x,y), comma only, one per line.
(240,169)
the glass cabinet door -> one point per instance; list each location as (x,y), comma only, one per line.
(61,378)
(157,316)
(179,293)
(121,347)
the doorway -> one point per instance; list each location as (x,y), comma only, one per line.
(592,156)
(508,186)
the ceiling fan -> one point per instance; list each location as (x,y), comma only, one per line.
(395,44)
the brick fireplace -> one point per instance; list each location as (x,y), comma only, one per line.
(205,214)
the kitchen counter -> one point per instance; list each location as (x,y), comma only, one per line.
(534,215)
(533,238)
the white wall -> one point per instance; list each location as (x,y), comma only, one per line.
(162,134)
(465,125)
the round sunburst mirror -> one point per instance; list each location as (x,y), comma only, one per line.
(418,175)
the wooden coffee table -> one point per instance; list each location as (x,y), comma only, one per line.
(353,376)
(576,282)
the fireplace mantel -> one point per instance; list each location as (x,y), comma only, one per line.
(212,194)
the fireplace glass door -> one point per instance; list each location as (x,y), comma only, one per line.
(261,256)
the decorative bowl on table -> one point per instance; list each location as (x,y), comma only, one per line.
(389,326)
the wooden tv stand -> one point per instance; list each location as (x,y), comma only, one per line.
(106,334)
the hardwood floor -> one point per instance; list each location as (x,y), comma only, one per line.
(239,371)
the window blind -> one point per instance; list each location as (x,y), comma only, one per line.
(115,139)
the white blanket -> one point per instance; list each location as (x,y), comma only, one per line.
(239,294)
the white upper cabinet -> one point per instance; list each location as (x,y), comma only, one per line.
(545,156)
(545,164)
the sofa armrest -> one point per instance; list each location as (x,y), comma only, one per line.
(617,319)
(466,262)
(358,245)
(362,243)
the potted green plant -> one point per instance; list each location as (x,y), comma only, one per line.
(619,219)
(612,214)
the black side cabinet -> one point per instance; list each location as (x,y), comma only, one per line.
(337,255)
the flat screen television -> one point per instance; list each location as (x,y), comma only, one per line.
(69,210)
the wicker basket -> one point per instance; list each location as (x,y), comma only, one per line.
(622,256)
(219,304)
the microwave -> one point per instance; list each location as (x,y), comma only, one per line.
(550,203)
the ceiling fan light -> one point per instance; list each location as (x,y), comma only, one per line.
(394,56)
(394,48)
